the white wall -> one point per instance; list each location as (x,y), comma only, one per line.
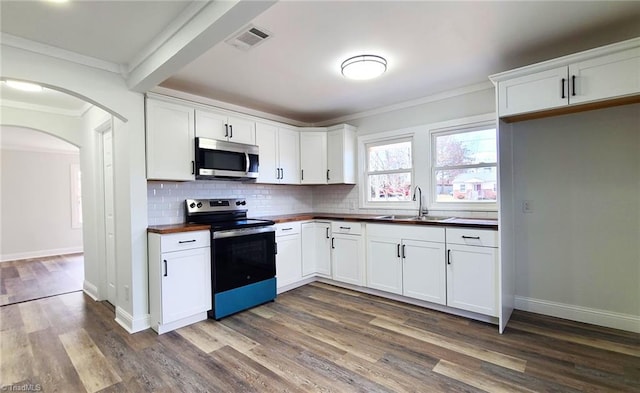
(109,91)
(36,205)
(580,247)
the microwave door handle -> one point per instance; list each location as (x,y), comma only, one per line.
(246,157)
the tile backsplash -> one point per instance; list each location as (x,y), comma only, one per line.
(166,199)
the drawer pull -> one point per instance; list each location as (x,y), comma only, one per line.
(347,228)
(287,229)
(187,241)
(471,237)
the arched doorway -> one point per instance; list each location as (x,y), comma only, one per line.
(87,127)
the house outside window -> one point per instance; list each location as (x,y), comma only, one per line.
(388,172)
(464,167)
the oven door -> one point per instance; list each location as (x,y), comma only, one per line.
(241,257)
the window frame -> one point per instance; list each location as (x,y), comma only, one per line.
(380,139)
(457,127)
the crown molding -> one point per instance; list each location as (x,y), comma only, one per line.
(59,53)
(47,109)
(408,104)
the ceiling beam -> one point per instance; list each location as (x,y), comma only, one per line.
(211,25)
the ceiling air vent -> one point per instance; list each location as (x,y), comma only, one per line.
(249,38)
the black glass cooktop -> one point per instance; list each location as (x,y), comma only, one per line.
(241,223)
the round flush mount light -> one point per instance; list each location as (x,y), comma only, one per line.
(364,67)
(24,86)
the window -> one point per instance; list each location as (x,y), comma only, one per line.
(464,166)
(389,170)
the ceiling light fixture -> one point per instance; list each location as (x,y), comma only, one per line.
(364,67)
(24,86)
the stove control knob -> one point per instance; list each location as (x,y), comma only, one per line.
(199,204)
(243,203)
(237,203)
(192,205)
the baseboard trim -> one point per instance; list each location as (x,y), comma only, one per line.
(130,324)
(296,284)
(39,254)
(91,290)
(593,316)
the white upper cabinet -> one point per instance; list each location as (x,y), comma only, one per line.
(614,75)
(607,76)
(279,154)
(328,156)
(221,126)
(341,155)
(313,156)
(542,90)
(170,141)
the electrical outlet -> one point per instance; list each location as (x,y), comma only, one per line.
(126,293)
(527,206)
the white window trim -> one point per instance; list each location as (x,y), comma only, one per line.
(382,138)
(486,120)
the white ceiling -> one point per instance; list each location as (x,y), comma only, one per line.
(430,46)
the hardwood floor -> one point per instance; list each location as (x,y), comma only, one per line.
(36,278)
(315,338)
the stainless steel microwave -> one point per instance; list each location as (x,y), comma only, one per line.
(225,160)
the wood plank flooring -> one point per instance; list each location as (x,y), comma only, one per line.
(317,338)
(30,279)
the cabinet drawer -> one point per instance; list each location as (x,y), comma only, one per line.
(472,237)
(346,227)
(288,228)
(184,241)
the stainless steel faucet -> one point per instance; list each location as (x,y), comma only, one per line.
(419,190)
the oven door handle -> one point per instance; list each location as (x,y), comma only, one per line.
(242,232)
(246,157)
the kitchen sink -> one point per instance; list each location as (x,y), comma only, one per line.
(414,218)
(432,218)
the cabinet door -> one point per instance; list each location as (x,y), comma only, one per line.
(316,249)
(242,130)
(472,279)
(424,271)
(347,259)
(313,157)
(211,125)
(341,157)
(289,156)
(170,141)
(186,283)
(384,265)
(288,260)
(530,93)
(605,77)
(267,141)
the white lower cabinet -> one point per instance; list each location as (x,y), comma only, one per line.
(407,261)
(472,270)
(347,253)
(179,279)
(316,249)
(289,256)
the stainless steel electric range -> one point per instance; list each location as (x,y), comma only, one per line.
(243,250)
